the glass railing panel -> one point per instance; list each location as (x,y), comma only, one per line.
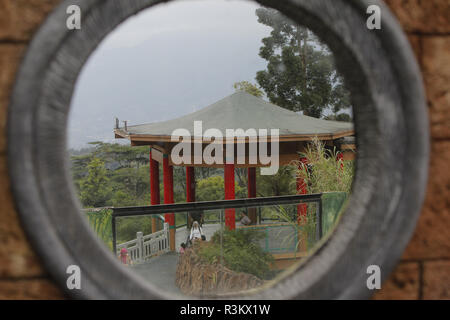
(253,240)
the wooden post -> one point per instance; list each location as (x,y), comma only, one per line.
(168,198)
(251,191)
(154,188)
(230,214)
(190,190)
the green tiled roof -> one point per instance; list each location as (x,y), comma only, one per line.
(244,111)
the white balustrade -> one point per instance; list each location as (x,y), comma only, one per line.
(144,247)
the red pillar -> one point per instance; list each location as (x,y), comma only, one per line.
(168,198)
(340,158)
(190,184)
(154,181)
(301,189)
(168,180)
(251,187)
(154,187)
(230,214)
(251,191)
(190,190)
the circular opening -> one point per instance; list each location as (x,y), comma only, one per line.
(219,65)
(368,233)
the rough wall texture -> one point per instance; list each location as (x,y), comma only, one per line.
(21,274)
(424,272)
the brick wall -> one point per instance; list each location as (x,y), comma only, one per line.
(424,272)
(21,274)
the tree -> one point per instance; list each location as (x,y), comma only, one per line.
(280,184)
(130,186)
(95,191)
(123,199)
(213,188)
(249,88)
(113,154)
(209,189)
(300,74)
(344,117)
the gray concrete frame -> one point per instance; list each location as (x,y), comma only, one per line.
(392,161)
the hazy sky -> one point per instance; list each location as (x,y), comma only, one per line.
(165,62)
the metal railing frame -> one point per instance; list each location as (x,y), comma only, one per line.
(185,207)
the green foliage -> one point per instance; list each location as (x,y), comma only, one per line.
(180,219)
(326,174)
(280,184)
(213,188)
(126,228)
(241,252)
(123,199)
(117,175)
(100,221)
(300,74)
(249,88)
(95,191)
(332,205)
(344,117)
(130,186)
(179,184)
(122,169)
(122,155)
(303,225)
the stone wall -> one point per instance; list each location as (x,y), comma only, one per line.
(21,273)
(424,272)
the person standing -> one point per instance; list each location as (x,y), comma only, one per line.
(245,220)
(196,231)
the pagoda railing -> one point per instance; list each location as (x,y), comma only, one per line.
(221,205)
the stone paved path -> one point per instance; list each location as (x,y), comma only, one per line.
(160,271)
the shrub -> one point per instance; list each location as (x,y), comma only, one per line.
(100,221)
(240,252)
(325,172)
